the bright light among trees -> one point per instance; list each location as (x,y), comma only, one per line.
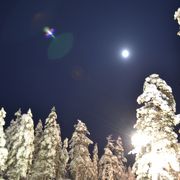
(139,140)
(42,155)
(155,143)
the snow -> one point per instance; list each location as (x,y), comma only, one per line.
(155,142)
(40,154)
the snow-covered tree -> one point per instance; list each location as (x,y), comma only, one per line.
(119,166)
(10,131)
(20,137)
(177,17)
(45,165)
(59,170)
(3,149)
(106,170)
(37,140)
(112,162)
(95,161)
(130,174)
(81,167)
(155,142)
(64,158)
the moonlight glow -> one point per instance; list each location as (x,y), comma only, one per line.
(125,53)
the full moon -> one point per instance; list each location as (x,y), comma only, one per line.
(125,53)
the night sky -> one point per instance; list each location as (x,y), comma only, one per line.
(91,82)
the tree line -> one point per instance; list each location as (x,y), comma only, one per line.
(28,153)
(40,154)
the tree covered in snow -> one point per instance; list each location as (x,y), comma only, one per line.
(64,158)
(155,142)
(119,166)
(45,165)
(37,140)
(95,161)
(20,137)
(106,170)
(129,174)
(81,167)
(58,161)
(3,149)
(112,162)
(177,17)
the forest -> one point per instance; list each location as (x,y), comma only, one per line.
(39,153)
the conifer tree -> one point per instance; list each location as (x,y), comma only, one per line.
(112,162)
(20,146)
(59,170)
(119,166)
(130,174)
(45,166)
(11,130)
(95,161)
(81,167)
(37,140)
(106,170)
(155,141)
(177,17)
(64,158)
(3,149)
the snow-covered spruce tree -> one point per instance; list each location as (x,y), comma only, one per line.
(112,162)
(177,17)
(155,142)
(106,169)
(45,165)
(20,146)
(37,139)
(130,174)
(3,149)
(81,167)
(59,170)
(64,158)
(95,161)
(119,169)
(12,129)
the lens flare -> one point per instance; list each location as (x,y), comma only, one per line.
(49,32)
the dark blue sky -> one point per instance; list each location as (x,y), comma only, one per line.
(92,82)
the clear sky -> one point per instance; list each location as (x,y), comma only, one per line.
(91,81)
